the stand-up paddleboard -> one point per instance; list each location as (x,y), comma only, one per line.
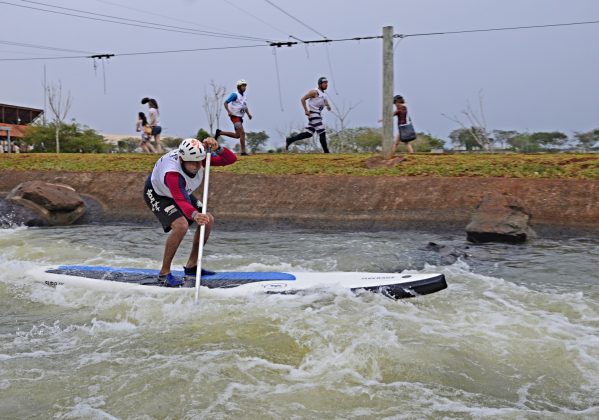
(394,285)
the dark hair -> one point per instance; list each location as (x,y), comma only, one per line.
(151,101)
(398,98)
(142,117)
(322,80)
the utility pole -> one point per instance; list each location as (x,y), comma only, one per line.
(387,92)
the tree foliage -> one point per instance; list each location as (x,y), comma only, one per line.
(202,134)
(586,140)
(74,138)
(255,140)
(468,137)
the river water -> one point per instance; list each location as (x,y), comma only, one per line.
(515,335)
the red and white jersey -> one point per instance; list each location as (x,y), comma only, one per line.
(170,163)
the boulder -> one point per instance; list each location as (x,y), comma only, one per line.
(499,218)
(55,204)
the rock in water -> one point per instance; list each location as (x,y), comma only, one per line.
(499,218)
(55,204)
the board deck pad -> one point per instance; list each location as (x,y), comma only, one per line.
(149,277)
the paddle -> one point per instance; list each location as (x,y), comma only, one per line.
(203,227)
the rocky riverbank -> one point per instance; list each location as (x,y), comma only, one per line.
(340,202)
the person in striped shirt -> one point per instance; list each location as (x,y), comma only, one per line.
(313,103)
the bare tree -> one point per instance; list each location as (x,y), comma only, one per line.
(213,105)
(342,121)
(477,123)
(60,107)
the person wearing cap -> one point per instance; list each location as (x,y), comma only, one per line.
(316,100)
(236,106)
(168,193)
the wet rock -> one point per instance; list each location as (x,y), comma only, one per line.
(14,215)
(448,254)
(54,204)
(499,218)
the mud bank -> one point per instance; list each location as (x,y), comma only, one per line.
(341,202)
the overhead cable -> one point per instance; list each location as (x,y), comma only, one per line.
(294,18)
(132,22)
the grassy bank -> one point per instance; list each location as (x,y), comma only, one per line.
(563,166)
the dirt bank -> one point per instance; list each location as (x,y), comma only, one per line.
(343,201)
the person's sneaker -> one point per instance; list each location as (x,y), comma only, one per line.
(192,271)
(287,144)
(217,133)
(168,280)
(244,154)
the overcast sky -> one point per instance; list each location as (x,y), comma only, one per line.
(531,80)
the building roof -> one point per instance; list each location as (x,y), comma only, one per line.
(20,115)
(16,131)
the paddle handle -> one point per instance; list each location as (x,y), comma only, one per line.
(203,227)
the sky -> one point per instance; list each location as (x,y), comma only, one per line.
(543,79)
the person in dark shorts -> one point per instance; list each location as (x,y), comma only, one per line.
(236,106)
(168,193)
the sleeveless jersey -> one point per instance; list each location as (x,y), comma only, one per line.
(238,106)
(317,104)
(170,163)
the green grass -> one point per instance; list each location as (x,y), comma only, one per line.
(556,166)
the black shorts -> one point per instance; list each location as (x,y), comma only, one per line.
(164,208)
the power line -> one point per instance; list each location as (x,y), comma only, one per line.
(132,22)
(294,18)
(43,47)
(255,17)
(99,56)
(160,15)
(292,43)
(508,28)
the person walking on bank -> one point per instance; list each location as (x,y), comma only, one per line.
(317,99)
(143,127)
(154,122)
(236,106)
(168,193)
(403,135)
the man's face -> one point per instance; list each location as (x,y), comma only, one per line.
(242,88)
(192,167)
(324,85)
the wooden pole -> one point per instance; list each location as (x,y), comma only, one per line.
(388,92)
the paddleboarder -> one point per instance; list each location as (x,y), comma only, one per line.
(168,194)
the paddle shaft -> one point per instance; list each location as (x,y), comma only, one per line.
(203,227)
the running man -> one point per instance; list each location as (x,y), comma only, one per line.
(168,193)
(317,100)
(236,106)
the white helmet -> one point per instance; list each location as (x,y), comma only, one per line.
(192,150)
(241,82)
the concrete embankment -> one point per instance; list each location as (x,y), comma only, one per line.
(342,201)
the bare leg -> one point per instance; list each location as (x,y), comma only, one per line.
(238,134)
(395,144)
(409,147)
(179,229)
(195,248)
(158,146)
(241,132)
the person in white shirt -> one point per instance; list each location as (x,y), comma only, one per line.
(316,100)
(154,121)
(236,106)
